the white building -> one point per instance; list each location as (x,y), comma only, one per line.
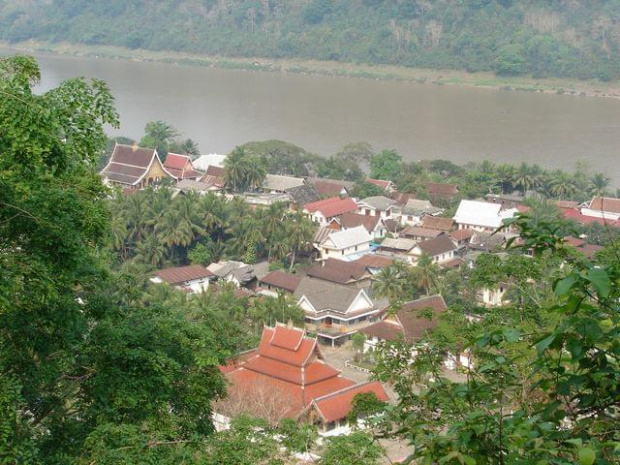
(481,216)
(342,243)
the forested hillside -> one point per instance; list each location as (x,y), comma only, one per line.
(542,38)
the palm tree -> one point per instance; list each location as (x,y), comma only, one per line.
(505,173)
(300,232)
(390,283)
(271,218)
(599,184)
(255,173)
(150,251)
(120,235)
(427,273)
(561,184)
(132,212)
(235,169)
(527,177)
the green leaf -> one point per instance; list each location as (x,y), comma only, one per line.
(564,285)
(512,334)
(600,280)
(544,343)
(586,456)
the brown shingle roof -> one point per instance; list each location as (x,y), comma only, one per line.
(374,261)
(439,245)
(183,274)
(437,222)
(282,280)
(324,295)
(213,170)
(605,204)
(330,187)
(351,220)
(413,320)
(384,330)
(128,164)
(338,271)
(441,189)
(415,231)
(462,234)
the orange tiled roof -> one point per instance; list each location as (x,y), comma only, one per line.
(336,406)
(288,365)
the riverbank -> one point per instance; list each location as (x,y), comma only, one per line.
(325,68)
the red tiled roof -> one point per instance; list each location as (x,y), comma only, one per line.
(605,204)
(183,274)
(337,405)
(374,261)
(352,220)
(295,380)
(177,161)
(331,207)
(577,216)
(282,280)
(437,222)
(436,188)
(337,271)
(287,338)
(297,357)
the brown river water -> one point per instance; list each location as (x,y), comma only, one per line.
(222,108)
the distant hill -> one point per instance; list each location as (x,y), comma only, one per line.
(560,38)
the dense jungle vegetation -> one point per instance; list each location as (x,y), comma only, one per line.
(541,38)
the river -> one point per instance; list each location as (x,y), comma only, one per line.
(222,108)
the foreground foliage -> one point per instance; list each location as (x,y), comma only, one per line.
(545,387)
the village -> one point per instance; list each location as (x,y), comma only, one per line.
(347,294)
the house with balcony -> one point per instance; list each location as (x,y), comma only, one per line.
(334,311)
(341,244)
